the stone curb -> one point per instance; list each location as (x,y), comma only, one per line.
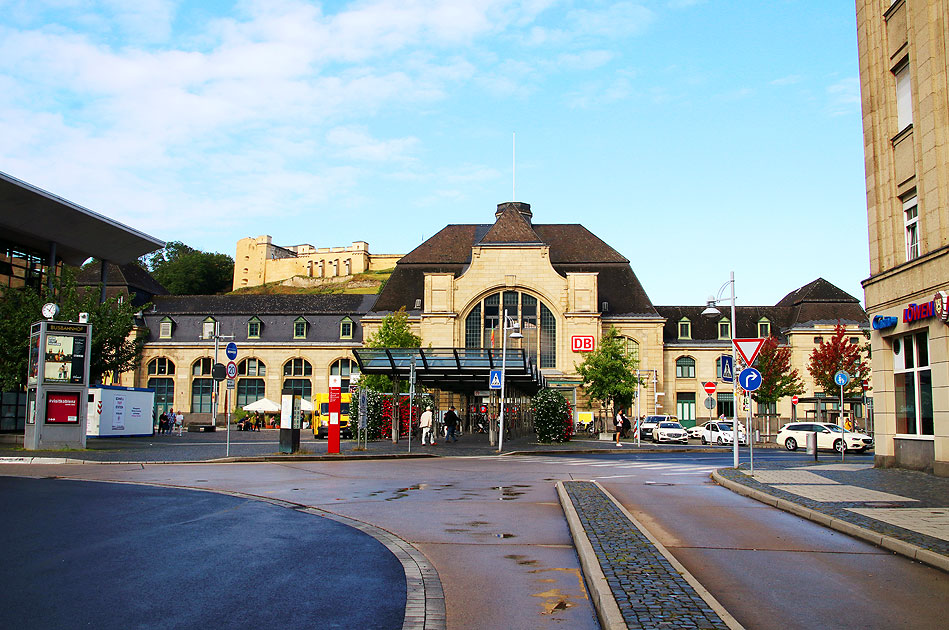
(604,602)
(709,599)
(911,551)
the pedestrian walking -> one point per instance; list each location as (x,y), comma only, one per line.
(451,424)
(425,423)
(179,421)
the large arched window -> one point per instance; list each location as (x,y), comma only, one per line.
(159,371)
(632,349)
(298,386)
(537,324)
(250,389)
(685,367)
(344,368)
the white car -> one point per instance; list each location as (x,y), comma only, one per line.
(649,423)
(696,431)
(829,436)
(670,432)
(721,432)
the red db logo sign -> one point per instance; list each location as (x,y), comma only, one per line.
(582,343)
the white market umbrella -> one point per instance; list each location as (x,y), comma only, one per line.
(263,405)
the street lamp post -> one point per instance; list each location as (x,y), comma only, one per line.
(509,323)
(712,311)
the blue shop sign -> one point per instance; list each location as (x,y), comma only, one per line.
(882,322)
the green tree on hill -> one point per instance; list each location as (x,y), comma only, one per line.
(184,270)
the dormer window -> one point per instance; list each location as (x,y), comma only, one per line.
(165,328)
(300,327)
(207,328)
(685,328)
(764,328)
(724,329)
(346,328)
(254,325)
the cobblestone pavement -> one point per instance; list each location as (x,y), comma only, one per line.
(906,505)
(650,593)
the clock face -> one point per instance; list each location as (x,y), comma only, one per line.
(50,310)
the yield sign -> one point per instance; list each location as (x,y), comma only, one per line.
(748,348)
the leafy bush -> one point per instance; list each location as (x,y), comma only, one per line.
(553,420)
(379,413)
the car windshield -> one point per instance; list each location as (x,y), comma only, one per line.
(724,426)
(833,428)
(670,425)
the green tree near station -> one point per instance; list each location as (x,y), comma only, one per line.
(609,373)
(394,332)
(184,270)
(116,343)
(834,355)
(778,378)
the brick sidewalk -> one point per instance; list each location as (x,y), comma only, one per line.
(902,510)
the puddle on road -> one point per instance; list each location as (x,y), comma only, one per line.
(508,493)
(658,483)
(523,561)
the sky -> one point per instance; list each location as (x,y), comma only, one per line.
(696,137)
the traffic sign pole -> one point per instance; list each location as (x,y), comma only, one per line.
(842,378)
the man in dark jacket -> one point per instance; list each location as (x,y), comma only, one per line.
(451,423)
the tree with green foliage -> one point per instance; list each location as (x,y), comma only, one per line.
(837,354)
(609,373)
(394,332)
(184,270)
(114,348)
(778,378)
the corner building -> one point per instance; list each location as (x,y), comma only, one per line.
(904,81)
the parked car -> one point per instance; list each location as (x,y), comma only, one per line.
(721,432)
(670,432)
(647,425)
(696,432)
(829,436)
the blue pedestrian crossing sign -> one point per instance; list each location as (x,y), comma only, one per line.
(494,382)
(728,369)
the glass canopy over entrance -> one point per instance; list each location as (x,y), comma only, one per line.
(460,370)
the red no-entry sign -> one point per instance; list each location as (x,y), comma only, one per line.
(709,388)
(794,400)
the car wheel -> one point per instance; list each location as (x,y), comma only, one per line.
(721,440)
(704,441)
(839,445)
(790,444)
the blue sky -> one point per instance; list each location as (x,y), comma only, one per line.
(695,137)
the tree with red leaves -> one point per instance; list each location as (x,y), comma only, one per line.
(835,355)
(778,378)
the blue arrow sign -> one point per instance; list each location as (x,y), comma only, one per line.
(231,351)
(494,382)
(728,370)
(841,378)
(749,379)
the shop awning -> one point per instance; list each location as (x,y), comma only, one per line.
(461,370)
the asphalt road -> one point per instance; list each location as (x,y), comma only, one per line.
(102,555)
(494,530)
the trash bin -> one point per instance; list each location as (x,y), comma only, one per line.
(812,444)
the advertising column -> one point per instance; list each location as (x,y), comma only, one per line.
(332,445)
(57,386)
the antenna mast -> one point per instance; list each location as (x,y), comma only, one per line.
(513,166)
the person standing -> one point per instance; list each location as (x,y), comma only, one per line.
(451,423)
(618,425)
(162,422)
(425,423)
(180,420)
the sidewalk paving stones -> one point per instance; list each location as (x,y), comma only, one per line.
(649,591)
(902,510)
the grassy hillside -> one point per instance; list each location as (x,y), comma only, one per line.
(363,283)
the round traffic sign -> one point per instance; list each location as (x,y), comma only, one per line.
(749,379)
(231,351)
(709,388)
(794,399)
(841,378)
(231,369)
(709,402)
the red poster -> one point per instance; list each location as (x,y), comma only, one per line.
(62,408)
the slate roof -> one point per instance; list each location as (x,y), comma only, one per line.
(128,279)
(818,302)
(324,304)
(572,247)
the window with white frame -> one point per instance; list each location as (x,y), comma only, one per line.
(685,328)
(904,97)
(300,326)
(685,367)
(724,329)
(346,328)
(913,384)
(911,223)
(253,328)
(764,328)
(165,328)
(207,328)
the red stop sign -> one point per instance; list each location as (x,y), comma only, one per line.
(709,388)
(794,400)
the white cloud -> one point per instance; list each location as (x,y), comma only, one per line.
(355,142)
(844,96)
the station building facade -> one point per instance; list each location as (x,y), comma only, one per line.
(904,81)
(559,283)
